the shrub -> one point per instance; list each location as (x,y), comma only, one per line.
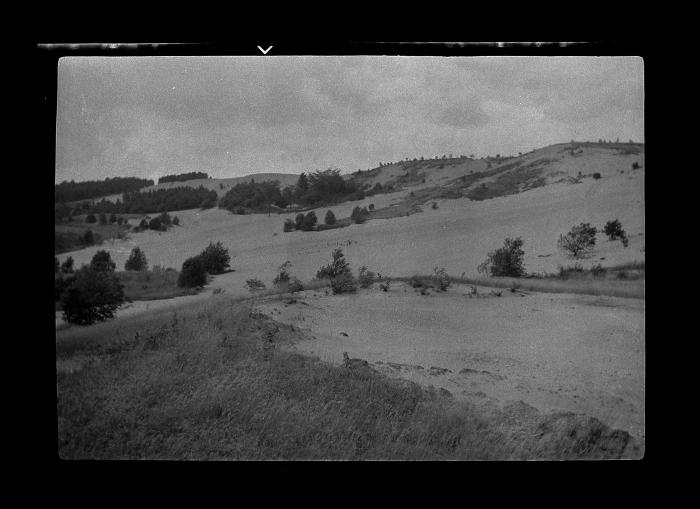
(283,276)
(309,222)
(89,238)
(299,221)
(359,215)
(156,223)
(102,262)
(215,258)
(506,261)
(613,229)
(371,206)
(92,296)
(635,166)
(103,218)
(61,284)
(289,225)
(143,225)
(120,220)
(344,283)
(598,270)
(625,240)
(442,278)
(579,241)
(596,175)
(112,218)
(366,277)
(176,221)
(330,218)
(137,260)
(193,273)
(337,267)
(67,266)
(434,205)
(254,285)
(295,285)
(165,219)
(91,218)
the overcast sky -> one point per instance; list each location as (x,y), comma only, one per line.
(233,116)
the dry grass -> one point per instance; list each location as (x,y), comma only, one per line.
(210,382)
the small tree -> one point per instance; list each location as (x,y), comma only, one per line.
(90,218)
(371,206)
(442,279)
(310,221)
(143,225)
(156,223)
(613,229)
(103,218)
(506,261)
(342,280)
(254,285)
(579,241)
(112,218)
(176,221)
(289,225)
(137,260)
(359,215)
(120,220)
(596,175)
(102,262)
(193,273)
(330,218)
(215,258)
(92,296)
(67,267)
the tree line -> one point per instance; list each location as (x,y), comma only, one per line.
(182,177)
(75,191)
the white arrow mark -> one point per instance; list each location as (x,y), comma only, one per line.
(264,51)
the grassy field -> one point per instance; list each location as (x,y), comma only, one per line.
(152,284)
(211,382)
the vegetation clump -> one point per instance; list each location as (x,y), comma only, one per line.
(102,262)
(579,241)
(339,273)
(366,277)
(92,296)
(137,260)
(359,215)
(67,266)
(254,285)
(330,218)
(215,258)
(309,222)
(506,261)
(193,273)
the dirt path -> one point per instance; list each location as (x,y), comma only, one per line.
(553,351)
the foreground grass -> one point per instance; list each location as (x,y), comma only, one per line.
(211,382)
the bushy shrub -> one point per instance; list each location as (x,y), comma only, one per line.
(254,285)
(193,273)
(156,223)
(92,296)
(215,258)
(143,225)
(366,277)
(176,221)
(67,266)
(625,240)
(579,241)
(359,215)
(613,229)
(299,221)
(371,206)
(506,261)
(137,260)
(442,279)
(344,283)
(90,218)
(330,218)
(635,166)
(283,276)
(309,222)
(102,262)
(289,225)
(434,205)
(596,175)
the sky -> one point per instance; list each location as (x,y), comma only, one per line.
(234,116)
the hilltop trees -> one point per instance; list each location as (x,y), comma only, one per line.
(75,191)
(253,195)
(182,177)
(93,295)
(506,261)
(137,260)
(579,241)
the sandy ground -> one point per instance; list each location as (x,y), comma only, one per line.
(457,236)
(555,352)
